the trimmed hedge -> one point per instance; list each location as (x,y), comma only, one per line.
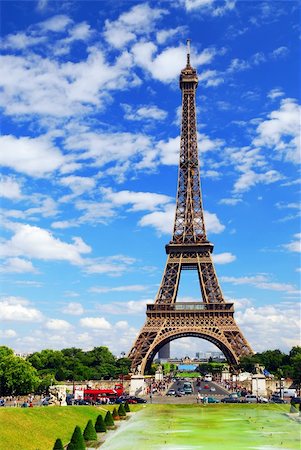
(89,432)
(77,440)
(109,421)
(58,445)
(100,425)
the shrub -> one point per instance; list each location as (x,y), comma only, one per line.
(115,414)
(89,432)
(126,407)
(121,410)
(109,421)
(100,425)
(77,440)
(58,445)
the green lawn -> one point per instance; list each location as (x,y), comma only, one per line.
(158,427)
(37,428)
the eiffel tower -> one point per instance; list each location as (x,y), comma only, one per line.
(212,318)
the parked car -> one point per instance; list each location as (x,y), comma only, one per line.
(137,399)
(181,391)
(179,394)
(230,400)
(277,400)
(2,402)
(296,400)
(171,392)
(212,389)
(81,402)
(250,398)
(206,386)
(212,400)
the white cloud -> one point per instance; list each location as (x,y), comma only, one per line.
(275,93)
(129,288)
(57,325)
(169,151)
(49,87)
(56,23)
(223,258)
(78,185)
(10,188)
(99,323)
(35,242)
(163,35)
(261,282)
(147,113)
(230,201)
(212,223)
(139,20)
(261,325)
(163,221)
(280,52)
(36,157)
(251,178)
(131,307)
(281,131)
(73,308)
(167,65)
(113,266)
(7,334)
(17,265)
(18,309)
(139,201)
(210,78)
(294,246)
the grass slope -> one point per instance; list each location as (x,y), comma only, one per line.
(37,428)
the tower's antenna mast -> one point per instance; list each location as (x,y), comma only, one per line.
(188,52)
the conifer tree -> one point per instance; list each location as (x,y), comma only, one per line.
(109,421)
(89,432)
(77,440)
(126,407)
(58,445)
(115,414)
(121,410)
(100,426)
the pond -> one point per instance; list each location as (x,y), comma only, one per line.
(196,427)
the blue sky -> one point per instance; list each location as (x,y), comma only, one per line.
(89,153)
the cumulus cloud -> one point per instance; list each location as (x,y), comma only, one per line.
(57,325)
(295,245)
(73,308)
(17,265)
(129,288)
(10,188)
(261,281)
(139,201)
(131,307)
(18,309)
(223,258)
(7,334)
(281,131)
(139,20)
(35,242)
(166,65)
(98,323)
(163,221)
(144,112)
(36,157)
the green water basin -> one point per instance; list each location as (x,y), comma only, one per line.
(213,427)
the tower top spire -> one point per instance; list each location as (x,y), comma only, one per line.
(188,51)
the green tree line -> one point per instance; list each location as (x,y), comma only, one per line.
(39,370)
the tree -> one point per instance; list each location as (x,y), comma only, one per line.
(89,432)
(58,445)
(77,440)
(115,414)
(121,410)
(100,425)
(126,407)
(109,421)
(17,376)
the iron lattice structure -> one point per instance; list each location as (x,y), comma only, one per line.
(212,318)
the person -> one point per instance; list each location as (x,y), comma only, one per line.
(199,398)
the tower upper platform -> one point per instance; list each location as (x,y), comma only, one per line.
(188,76)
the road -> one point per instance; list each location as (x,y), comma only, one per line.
(213,390)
